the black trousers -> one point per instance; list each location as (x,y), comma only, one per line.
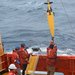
(24,68)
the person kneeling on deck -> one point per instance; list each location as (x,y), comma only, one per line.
(51,58)
(12,69)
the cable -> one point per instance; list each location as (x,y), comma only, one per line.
(67,16)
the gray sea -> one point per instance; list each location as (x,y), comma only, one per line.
(25,21)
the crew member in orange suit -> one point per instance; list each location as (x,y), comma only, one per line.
(15,56)
(16,60)
(24,56)
(51,58)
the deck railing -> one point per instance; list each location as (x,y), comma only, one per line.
(3,62)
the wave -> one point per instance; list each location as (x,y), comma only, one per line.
(66,52)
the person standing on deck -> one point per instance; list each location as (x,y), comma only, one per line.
(15,56)
(51,58)
(14,59)
(17,62)
(24,56)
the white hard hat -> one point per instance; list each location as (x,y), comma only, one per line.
(12,66)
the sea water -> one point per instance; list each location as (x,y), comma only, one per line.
(25,21)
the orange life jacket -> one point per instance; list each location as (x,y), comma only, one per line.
(51,53)
(15,56)
(11,73)
(23,55)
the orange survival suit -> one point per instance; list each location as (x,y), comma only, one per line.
(51,58)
